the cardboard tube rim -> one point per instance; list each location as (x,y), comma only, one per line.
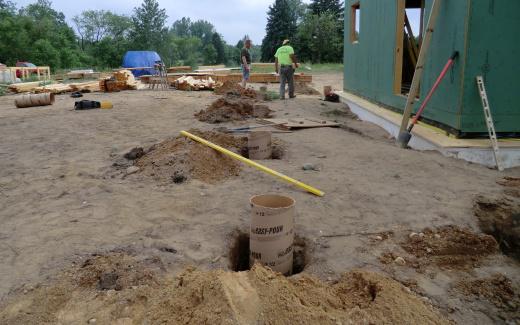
(289,200)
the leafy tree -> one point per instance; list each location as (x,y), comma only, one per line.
(233,54)
(182,27)
(335,7)
(8,6)
(39,34)
(209,54)
(218,44)
(183,51)
(282,18)
(94,25)
(148,30)
(318,40)
(203,30)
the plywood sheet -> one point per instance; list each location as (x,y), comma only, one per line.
(299,123)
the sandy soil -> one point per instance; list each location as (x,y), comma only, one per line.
(61,200)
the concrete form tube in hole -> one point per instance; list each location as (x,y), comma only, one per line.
(272,235)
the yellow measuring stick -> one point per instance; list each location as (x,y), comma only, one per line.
(253,164)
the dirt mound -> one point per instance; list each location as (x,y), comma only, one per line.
(497,289)
(219,297)
(304,89)
(501,219)
(230,108)
(449,247)
(117,271)
(180,159)
(234,88)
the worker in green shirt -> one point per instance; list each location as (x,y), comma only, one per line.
(286,63)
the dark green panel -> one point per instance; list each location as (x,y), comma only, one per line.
(448,36)
(494,53)
(369,64)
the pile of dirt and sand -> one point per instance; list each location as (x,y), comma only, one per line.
(304,88)
(449,247)
(213,297)
(235,89)
(180,159)
(498,290)
(233,108)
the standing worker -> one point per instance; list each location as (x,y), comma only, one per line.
(245,59)
(286,64)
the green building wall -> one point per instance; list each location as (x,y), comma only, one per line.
(483,31)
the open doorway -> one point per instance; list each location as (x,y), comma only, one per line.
(409,34)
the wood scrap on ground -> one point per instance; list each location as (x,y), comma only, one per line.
(184,68)
(121,80)
(298,123)
(188,83)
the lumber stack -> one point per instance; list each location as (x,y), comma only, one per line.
(254,77)
(121,80)
(54,88)
(91,86)
(188,83)
(24,87)
(184,68)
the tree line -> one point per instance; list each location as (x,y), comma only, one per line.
(98,38)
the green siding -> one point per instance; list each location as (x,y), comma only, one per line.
(493,52)
(483,31)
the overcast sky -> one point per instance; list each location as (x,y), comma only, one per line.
(232,18)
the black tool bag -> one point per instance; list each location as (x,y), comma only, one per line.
(86,104)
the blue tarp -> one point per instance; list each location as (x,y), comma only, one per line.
(139,59)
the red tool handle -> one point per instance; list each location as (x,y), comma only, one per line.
(435,86)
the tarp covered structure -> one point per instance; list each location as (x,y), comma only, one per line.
(141,59)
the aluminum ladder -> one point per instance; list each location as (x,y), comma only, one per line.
(489,122)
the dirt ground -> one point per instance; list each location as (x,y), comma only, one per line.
(62,201)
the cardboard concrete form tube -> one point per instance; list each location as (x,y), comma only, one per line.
(32,100)
(259,145)
(327,90)
(271,234)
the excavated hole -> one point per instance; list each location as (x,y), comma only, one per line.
(239,253)
(278,151)
(501,219)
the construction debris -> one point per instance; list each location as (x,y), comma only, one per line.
(121,80)
(188,83)
(298,123)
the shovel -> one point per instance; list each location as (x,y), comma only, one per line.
(404,137)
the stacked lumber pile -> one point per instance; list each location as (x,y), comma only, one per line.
(236,77)
(121,80)
(188,83)
(86,87)
(54,88)
(24,87)
(184,68)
